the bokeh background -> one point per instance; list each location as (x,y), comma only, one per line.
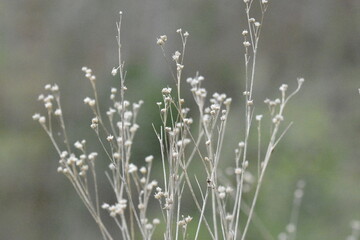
(44,41)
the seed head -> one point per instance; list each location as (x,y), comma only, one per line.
(149,158)
(114,71)
(156,221)
(110,138)
(247,43)
(238,171)
(42,120)
(58,112)
(161,40)
(36,116)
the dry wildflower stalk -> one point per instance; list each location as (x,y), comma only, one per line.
(355,231)
(179,146)
(291,228)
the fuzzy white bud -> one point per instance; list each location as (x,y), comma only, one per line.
(114,71)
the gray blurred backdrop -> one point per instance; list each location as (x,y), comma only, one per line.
(48,41)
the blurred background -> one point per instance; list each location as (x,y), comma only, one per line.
(44,41)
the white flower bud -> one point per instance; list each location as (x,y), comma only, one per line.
(132,168)
(176,56)
(78,145)
(36,116)
(114,71)
(283,87)
(58,112)
(179,67)
(246,43)
(188,219)
(222,195)
(149,158)
(228,190)
(41,97)
(161,40)
(166,91)
(300,81)
(238,171)
(143,170)
(105,206)
(42,120)
(92,103)
(245,164)
(55,88)
(221,189)
(112,166)
(48,105)
(149,226)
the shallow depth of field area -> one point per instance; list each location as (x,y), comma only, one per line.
(49,42)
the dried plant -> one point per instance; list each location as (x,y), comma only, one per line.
(219,204)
